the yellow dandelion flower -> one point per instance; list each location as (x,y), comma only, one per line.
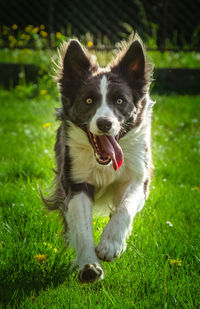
(55,250)
(40,258)
(176,262)
(46,125)
(90,44)
(58,34)
(13,43)
(11,38)
(28,28)
(20,43)
(23,36)
(196,188)
(36,29)
(15,27)
(27,37)
(43,33)
(42,27)
(43,91)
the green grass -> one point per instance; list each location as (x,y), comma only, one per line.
(143,277)
(165,59)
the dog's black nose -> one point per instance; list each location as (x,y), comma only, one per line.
(104,124)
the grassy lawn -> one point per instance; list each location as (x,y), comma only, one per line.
(160,268)
(165,59)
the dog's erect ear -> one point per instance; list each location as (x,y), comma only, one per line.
(132,62)
(76,64)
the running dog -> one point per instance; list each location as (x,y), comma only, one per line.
(102,149)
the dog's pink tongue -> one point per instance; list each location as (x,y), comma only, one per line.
(110,146)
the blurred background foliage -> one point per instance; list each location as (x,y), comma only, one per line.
(170,29)
(161,24)
(30,31)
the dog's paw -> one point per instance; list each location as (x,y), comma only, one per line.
(107,250)
(91,273)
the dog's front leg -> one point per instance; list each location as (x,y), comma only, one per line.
(113,239)
(80,223)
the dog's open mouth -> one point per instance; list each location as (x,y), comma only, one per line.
(106,148)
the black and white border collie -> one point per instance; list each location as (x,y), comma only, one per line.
(102,149)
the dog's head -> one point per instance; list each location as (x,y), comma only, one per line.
(103,102)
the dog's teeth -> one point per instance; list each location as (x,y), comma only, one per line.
(95,142)
(102,160)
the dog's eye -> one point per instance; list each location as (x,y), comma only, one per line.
(89,101)
(119,101)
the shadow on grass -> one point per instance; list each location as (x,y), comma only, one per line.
(31,284)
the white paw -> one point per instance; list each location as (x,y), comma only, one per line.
(108,249)
(90,273)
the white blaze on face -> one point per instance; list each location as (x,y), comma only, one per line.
(104,111)
(104,90)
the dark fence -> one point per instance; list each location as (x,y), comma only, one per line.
(164,24)
(180,81)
